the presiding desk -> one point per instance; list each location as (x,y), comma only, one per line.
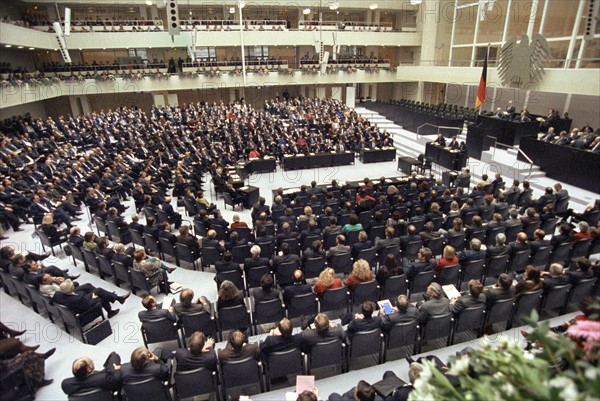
(506,131)
(446,157)
(252,166)
(377,155)
(316,160)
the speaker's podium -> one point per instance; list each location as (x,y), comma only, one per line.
(448,177)
(406,163)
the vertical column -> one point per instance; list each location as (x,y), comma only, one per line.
(369,17)
(232,96)
(143,12)
(158,99)
(154,12)
(350,96)
(428,15)
(172,99)
(320,93)
(336,92)
(373,92)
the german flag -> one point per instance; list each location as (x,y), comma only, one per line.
(482,83)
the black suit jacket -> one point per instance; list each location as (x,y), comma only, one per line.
(186,360)
(108,378)
(387,321)
(156,369)
(77,303)
(280,343)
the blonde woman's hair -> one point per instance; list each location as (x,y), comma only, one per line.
(449,252)
(48,219)
(361,270)
(326,277)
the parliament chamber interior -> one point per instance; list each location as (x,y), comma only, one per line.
(319,200)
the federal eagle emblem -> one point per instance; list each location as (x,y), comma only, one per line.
(522,63)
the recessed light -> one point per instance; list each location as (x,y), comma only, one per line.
(20,47)
(306,11)
(373,6)
(32,48)
(149,3)
(7,45)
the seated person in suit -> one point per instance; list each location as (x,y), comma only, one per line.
(362,392)
(436,305)
(86,377)
(84,297)
(200,354)
(255,260)
(339,247)
(174,217)
(554,277)
(363,243)
(187,305)
(238,348)
(227,264)
(474,253)
(75,237)
(529,281)
(403,312)
(188,239)
(299,287)
(229,295)
(363,321)
(267,290)
(286,257)
(499,249)
(145,364)
(152,311)
(475,297)
(389,240)
(581,271)
(50,229)
(424,262)
(281,338)
(321,330)
(440,140)
(503,289)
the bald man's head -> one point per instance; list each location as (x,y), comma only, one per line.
(83,367)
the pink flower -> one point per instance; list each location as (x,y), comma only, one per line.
(586,329)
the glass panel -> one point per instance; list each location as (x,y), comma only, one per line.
(490,29)
(462,56)
(465,25)
(519,18)
(560,18)
(591,54)
(558,53)
(538,15)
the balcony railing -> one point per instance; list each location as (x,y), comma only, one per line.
(345,25)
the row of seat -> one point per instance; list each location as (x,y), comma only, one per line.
(411,335)
(73,323)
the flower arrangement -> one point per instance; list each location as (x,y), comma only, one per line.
(562,367)
(160,75)
(133,76)
(190,74)
(105,77)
